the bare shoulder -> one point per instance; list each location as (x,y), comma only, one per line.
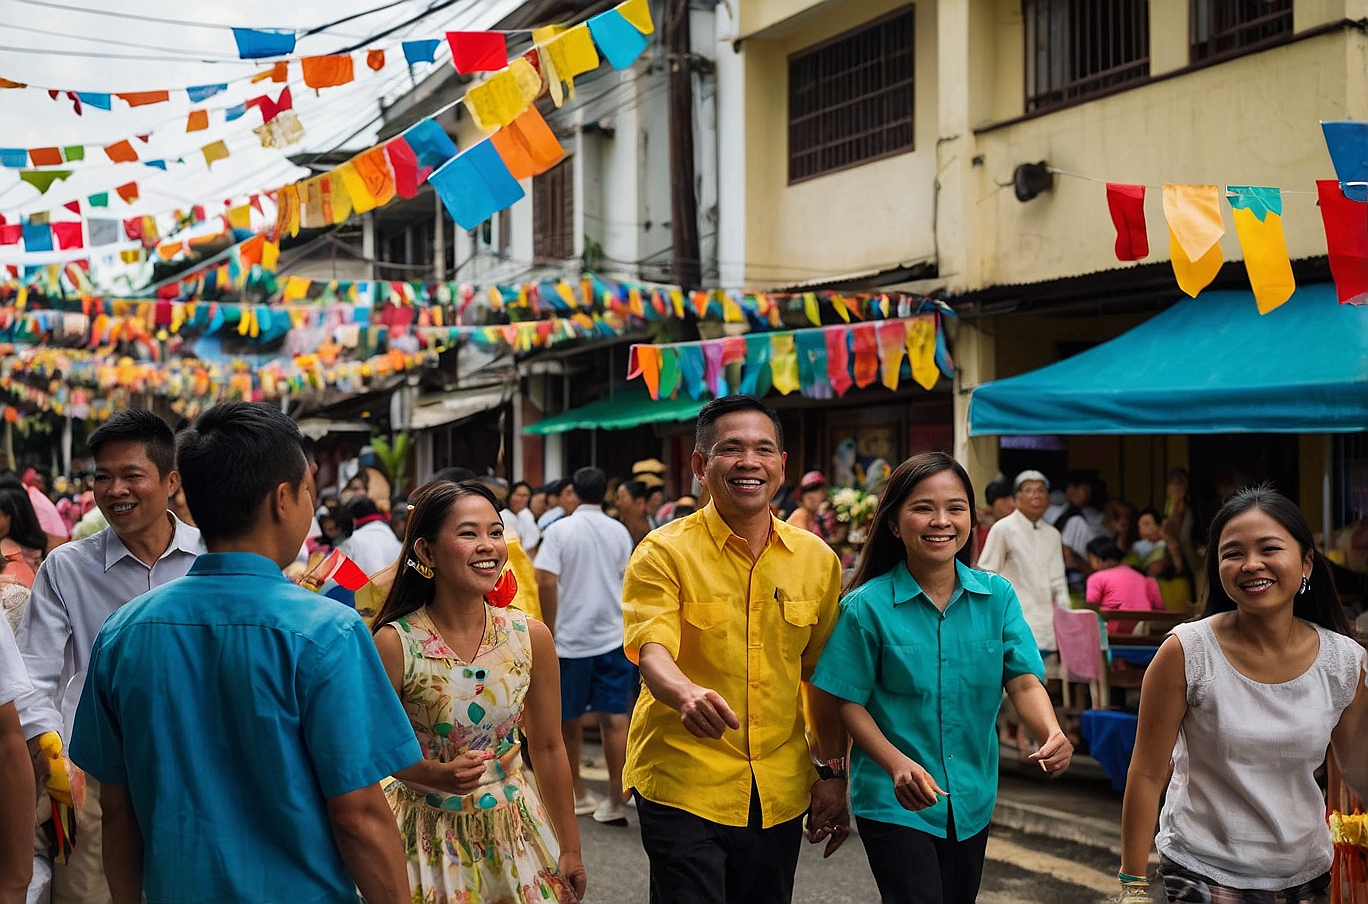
(540,635)
(387,642)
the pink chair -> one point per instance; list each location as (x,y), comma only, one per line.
(1078,635)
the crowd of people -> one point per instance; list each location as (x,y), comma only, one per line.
(205,728)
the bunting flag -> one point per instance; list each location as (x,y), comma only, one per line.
(527,145)
(424,51)
(259,43)
(204,92)
(271,109)
(1127,206)
(570,53)
(144,98)
(215,151)
(866,343)
(838,361)
(121,152)
(14,158)
(475,184)
(1346,241)
(328,71)
(477,51)
(430,142)
(783,363)
(103,232)
(620,41)
(68,235)
(502,97)
(1258,224)
(100,199)
(37,237)
(921,350)
(403,163)
(128,191)
(892,347)
(278,73)
(73,153)
(46,156)
(198,121)
(1347,143)
(1195,230)
(43,179)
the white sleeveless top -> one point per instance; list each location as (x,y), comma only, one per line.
(1243,808)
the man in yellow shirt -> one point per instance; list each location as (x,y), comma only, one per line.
(726,611)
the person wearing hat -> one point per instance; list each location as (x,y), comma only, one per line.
(649,466)
(372,544)
(812,491)
(1027,551)
(655,497)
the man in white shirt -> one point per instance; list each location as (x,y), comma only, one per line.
(82,583)
(17,791)
(555,503)
(372,544)
(1028,552)
(582,560)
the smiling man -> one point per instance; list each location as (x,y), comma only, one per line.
(727,611)
(81,584)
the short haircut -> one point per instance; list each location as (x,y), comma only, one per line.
(1104,548)
(590,484)
(138,425)
(1153,513)
(635,488)
(706,430)
(231,459)
(997,489)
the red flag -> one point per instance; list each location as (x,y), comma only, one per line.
(838,360)
(866,342)
(1346,241)
(271,109)
(68,235)
(404,164)
(73,206)
(340,570)
(477,51)
(1127,205)
(11,234)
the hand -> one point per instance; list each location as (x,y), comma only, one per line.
(1054,755)
(462,775)
(829,816)
(705,714)
(914,787)
(571,868)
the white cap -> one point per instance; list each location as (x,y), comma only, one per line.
(1029,475)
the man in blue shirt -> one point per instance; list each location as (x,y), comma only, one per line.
(239,724)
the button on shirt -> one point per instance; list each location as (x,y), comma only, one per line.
(751,630)
(933,682)
(233,704)
(588,552)
(1030,555)
(80,585)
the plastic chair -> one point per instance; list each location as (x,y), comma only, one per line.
(1078,635)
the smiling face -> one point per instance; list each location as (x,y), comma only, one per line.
(745,467)
(130,492)
(1032,499)
(468,553)
(1261,565)
(934,521)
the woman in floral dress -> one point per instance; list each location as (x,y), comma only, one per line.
(475,679)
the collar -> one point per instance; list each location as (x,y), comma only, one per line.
(371,519)
(239,563)
(184,538)
(585,507)
(720,531)
(1029,524)
(906,588)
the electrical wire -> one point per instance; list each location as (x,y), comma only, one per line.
(100,40)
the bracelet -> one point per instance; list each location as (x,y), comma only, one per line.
(1132,880)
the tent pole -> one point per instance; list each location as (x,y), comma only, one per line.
(1327,539)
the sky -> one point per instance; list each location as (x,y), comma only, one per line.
(48,47)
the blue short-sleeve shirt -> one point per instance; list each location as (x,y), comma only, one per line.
(233,704)
(933,683)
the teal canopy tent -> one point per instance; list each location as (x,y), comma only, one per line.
(629,406)
(1209,364)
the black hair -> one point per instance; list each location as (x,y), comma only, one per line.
(24,528)
(591,485)
(997,489)
(231,459)
(453,475)
(1104,548)
(884,550)
(521,483)
(432,503)
(1152,512)
(140,426)
(635,488)
(706,426)
(1320,603)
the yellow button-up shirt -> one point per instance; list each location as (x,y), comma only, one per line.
(749,629)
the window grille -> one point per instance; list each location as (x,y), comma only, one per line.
(1227,27)
(851,99)
(1079,47)
(553,213)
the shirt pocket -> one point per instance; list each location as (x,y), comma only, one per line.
(707,632)
(982,664)
(909,670)
(705,615)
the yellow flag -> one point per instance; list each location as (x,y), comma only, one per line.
(921,350)
(296,288)
(637,12)
(1195,230)
(783,363)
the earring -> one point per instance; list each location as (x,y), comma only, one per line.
(424,570)
(1305,585)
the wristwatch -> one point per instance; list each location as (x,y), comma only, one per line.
(829,769)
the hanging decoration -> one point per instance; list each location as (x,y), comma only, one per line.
(1258,223)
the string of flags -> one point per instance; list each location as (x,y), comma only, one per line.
(821,363)
(1196,226)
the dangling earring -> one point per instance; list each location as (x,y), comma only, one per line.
(1305,585)
(424,570)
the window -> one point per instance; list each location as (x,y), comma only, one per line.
(850,99)
(1222,27)
(553,213)
(1079,47)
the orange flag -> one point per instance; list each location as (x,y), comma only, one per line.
(121,152)
(278,73)
(48,156)
(143,98)
(375,59)
(527,145)
(198,121)
(128,191)
(328,71)
(375,175)
(1195,230)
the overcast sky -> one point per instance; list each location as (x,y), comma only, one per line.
(28,118)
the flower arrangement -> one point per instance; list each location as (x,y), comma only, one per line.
(853,506)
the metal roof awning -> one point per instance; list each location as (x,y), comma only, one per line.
(451,407)
(315,428)
(628,407)
(1211,364)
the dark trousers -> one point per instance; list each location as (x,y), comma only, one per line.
(694,861)
(914,867)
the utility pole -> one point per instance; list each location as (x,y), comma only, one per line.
(683,200)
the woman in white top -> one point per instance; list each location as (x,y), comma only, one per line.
(1245,703)
(518,518)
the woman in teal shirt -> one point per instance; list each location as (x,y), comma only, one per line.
(923,649)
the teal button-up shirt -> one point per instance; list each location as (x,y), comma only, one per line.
(933,682)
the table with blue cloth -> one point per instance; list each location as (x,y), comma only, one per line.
(1110,735)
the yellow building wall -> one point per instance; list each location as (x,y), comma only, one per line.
(1249,121)
(872,216)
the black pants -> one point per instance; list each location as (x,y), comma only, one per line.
(694,861)
(914,867)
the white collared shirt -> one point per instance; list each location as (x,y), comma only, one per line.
(588,552)
(78,586)
(1031,556)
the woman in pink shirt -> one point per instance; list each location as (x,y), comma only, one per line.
(1115,586)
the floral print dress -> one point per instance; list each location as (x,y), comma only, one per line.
(492,845)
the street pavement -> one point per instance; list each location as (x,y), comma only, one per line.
(1022,867)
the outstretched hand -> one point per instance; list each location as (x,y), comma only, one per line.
(705,714)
